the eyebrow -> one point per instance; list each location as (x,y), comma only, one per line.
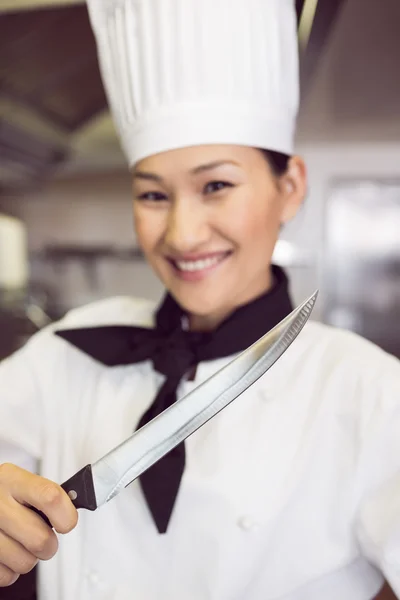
(147,176)
(212,165)
(195,171)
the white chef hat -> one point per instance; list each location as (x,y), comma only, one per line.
(181,73)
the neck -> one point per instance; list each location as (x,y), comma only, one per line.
(211,321)
(208,322)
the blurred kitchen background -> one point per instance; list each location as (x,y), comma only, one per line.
(66,235)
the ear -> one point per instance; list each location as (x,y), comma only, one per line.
(293,186)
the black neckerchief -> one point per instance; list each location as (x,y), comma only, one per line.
(174,352)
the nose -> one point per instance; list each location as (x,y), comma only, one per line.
(187,227)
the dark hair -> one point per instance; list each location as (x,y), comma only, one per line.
(278,161)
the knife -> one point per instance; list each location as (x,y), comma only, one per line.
(98,483)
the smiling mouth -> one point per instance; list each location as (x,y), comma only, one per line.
(199,265)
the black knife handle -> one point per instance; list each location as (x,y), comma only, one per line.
(80,489)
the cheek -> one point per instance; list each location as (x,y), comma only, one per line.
(255,221)
(148,228)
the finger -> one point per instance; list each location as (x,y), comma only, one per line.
(15,557)
(7,577)
(25,527)
(41,493)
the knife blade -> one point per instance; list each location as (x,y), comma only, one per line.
(98,483)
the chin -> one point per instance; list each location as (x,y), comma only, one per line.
(202,299)
(198,305)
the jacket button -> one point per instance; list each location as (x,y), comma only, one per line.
(93,577)
(246,523)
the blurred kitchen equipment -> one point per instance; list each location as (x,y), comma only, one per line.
(362,260)
(13,256)
(20,315)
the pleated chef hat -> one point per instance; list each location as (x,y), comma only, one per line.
(181,73)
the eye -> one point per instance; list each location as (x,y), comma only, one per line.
(216,186)
(152,197)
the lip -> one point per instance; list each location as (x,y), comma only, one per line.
(195,257)
(193,276)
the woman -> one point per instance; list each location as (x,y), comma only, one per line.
(292,492)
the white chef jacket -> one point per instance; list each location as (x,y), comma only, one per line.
(291,493)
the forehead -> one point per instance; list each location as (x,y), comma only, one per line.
(188,159)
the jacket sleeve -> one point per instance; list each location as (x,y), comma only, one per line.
(21,408)
(378,523)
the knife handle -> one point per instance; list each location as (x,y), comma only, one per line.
(80,489)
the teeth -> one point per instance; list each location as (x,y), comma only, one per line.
(198,265)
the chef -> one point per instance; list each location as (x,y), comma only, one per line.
(293,492)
